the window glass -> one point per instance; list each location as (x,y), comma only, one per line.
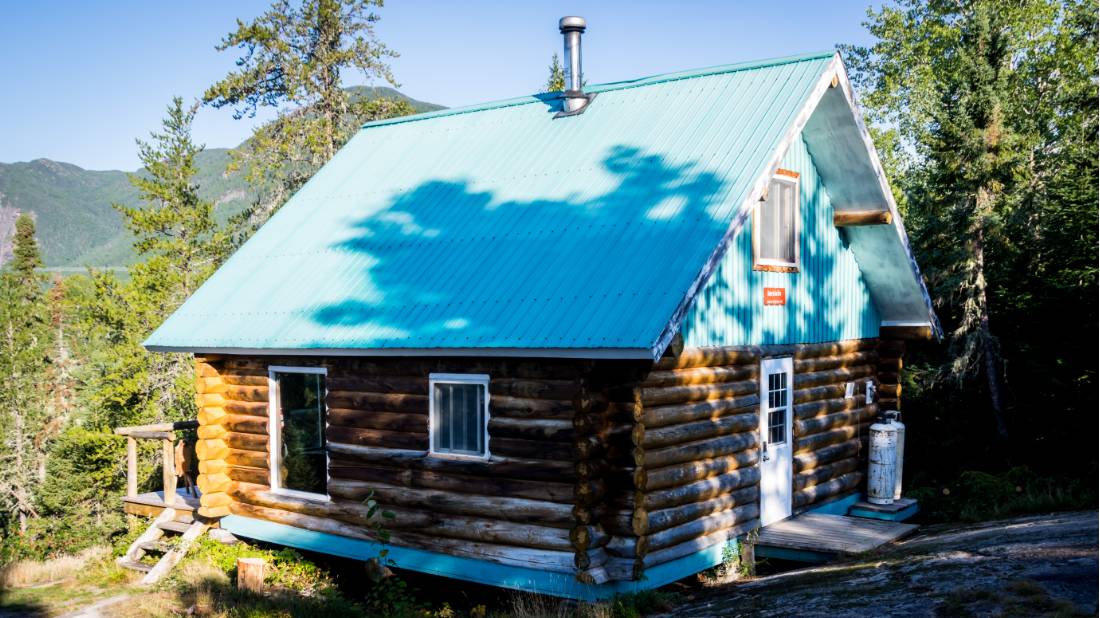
(458,417)
(777,233)
(777,407)
(301,407)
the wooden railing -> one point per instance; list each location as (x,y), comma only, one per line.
(166,433)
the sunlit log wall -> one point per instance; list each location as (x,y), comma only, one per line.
(528,505)
(601,469)
(691,479)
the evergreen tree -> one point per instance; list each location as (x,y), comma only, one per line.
(24,341)
(177,234)
(294,59)
(986,114)
(555,82)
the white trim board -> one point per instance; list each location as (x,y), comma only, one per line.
(274,438)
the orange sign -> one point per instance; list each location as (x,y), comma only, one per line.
(775,297)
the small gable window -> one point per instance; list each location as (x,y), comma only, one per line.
(459,415)
(775,228)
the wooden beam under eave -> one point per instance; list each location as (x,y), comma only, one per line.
(907,332)
(848,218)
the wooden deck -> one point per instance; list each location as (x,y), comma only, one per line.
(150,504)
(816,537)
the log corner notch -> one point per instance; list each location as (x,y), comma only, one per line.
(851,218)
(211,448)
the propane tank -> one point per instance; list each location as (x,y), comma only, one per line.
(883,463)
(894,418)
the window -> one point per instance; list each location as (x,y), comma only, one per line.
(775,229)
(459,419)
(777,408)
(299,462)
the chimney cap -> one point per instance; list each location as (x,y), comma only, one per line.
(566,24)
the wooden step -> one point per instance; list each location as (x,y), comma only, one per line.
(173,526)
(829,535)
(134,565)
(157,546)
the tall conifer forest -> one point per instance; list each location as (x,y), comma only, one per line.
(985,117)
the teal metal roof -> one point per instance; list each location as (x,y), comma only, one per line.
(500,227)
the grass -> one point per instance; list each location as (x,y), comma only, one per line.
(203,585)
(521,605)
(24,573)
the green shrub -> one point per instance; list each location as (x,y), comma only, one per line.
(980,496)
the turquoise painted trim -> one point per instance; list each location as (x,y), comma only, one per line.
(827,300)
(470,569)
(903,515)
(794,555)
(839,506)
(606,87)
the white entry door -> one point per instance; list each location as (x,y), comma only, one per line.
(776,376)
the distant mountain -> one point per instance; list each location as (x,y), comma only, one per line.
(385,92)
(76,225)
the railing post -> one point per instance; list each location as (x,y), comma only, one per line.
(169,464)
(131,467)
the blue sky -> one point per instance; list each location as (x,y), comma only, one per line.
(80,80)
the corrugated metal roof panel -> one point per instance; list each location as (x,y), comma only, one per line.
(501,227)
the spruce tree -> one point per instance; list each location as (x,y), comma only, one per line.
(181,242)
(294,59)
(24,341)
(986,115)
(555,82)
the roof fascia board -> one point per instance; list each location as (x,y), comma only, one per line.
(591,353)
(824,82)
(884,185)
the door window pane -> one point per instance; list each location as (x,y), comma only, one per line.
(777,407)
(301,407)
(458,417)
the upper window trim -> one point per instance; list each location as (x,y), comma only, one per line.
(771,265)
(273,434)
(457,378)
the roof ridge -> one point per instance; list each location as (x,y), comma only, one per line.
(607,87)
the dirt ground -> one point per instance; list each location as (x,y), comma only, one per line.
(1029,566)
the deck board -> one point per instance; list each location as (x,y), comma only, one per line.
(151,503)
(832,534)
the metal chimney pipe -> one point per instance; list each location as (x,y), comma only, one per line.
(571,29)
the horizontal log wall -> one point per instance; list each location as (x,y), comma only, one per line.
(890,352)
(601,469)
(691,477)
(830,431)
(528,505)
(691,427)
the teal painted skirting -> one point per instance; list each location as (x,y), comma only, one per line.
(902,515)
(469,569)
(827,300)
(794,555)
(839,506)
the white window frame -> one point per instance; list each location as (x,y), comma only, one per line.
(760,263)
(481,379)
(274,425)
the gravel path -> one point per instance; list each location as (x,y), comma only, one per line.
(1028,566)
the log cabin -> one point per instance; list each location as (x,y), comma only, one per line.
(577,343)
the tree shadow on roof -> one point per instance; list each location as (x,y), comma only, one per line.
(455,263)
